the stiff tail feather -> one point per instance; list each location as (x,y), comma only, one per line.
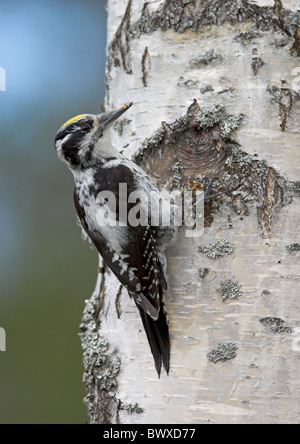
(158,337)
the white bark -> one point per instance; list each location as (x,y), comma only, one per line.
(260,385)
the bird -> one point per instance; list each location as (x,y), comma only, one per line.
(135,253)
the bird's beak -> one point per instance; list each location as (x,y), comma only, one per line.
(108,118)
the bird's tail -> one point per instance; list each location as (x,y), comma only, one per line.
(158,337)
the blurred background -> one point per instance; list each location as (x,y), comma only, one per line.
(53,53)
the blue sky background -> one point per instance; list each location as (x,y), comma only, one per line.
(53,52)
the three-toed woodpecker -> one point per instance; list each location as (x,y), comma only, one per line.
(134,252)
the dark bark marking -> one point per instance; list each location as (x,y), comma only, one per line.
(286,104)
(275,325)
(120,45)
(257,62)
(99,306)
(101,367)
(265,213)
(285,98)
(293,247)
(239,205)
(117,303)
(146,64)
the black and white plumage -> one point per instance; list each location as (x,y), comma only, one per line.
(135,254)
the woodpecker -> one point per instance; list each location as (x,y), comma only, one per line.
(134,253)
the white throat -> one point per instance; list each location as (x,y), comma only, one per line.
(104,149)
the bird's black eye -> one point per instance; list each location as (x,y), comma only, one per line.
(85,128)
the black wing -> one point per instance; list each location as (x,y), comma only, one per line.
(137,266)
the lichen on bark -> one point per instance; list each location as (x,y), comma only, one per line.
(101,366)
(181,15)
(217,249)
(229,289)
(194,15)
(223,352)
(200,144)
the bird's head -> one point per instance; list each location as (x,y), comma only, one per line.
(85,139)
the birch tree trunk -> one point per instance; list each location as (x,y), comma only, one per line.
(215,86)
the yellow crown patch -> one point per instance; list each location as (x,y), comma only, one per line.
(72,120)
